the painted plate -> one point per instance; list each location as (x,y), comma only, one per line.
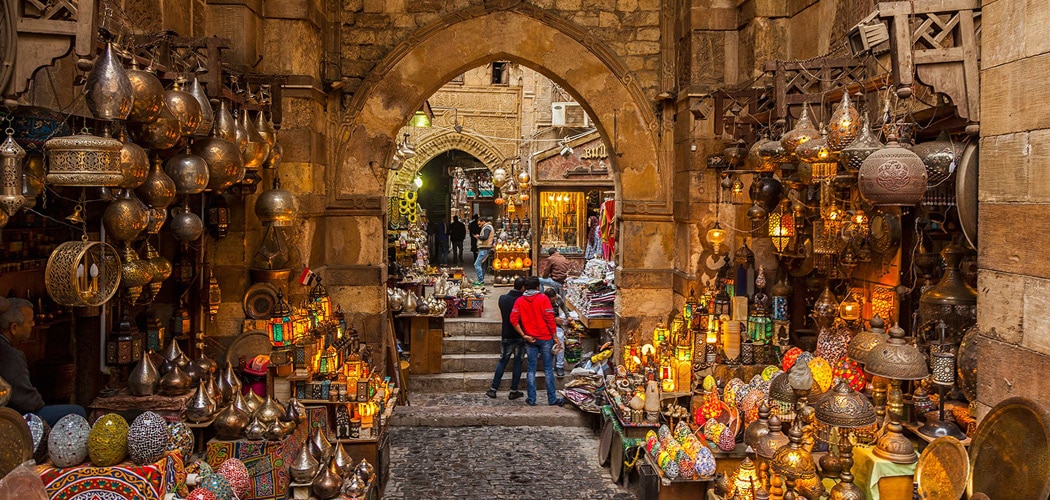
(16,438)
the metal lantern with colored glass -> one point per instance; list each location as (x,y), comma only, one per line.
(319,296)
(781,227)
(281,323)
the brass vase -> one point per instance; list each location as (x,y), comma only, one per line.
(304,465)
(327,482)
(175,382)
(185,108)
(144,377)
(207,114)
(230,423)
(108,91)
(344,463)
(269,411)
(200,407)
(125,217)
(158,191)
(254,401)
(147,94)
(354,488)
(189,173)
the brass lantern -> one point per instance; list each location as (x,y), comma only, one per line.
(135,273)
(125,217)
(277,207)
(83,160)
(82,273)
(499,177)
(892,176)
(781,228)
(162,269)
(844,125)
(803,132)
(281,323)
(185,107)
(108,90)
(11,156)
(207,114)
(147,94)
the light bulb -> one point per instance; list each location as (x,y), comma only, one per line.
(716,235)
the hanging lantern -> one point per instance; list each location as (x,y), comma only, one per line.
(276,207)
(125,217)
(716,235)
(83,160)
(134,274)
(181,326)
(108,91)
(755,160)
(82,273)
(257,149)
(853,156)
(147,94)
(892,176)
(189,171)
(499,177)
(766,191)
(214,296)
(207,114)
(820,159)
(217,216)
(281,323)
(940,157)
(498,201)
(524,178)
(849,308)
(159,190)
(161,133)
(11,155)
(844,125)
(134,163)
(781,228)
(803,132)
(184,107)
(225,163)
(162,269)
(523,197)
(771,154)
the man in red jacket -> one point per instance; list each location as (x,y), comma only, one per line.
(533,319)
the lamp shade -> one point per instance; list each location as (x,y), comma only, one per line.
(896,359)
(845,408)
(892,176)
(863,343)
(793,461)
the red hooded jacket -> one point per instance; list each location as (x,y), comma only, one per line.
(534,312)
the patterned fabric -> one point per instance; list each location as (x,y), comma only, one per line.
(267,462)
(122,481)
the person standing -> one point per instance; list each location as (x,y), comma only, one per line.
(556,270)
(441,237)
(473,229)
(485,237)
(561,319)
(16,325)
(456,233)
(533,318)
(511,344)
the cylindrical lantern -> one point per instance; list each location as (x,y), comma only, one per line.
(11,156)
(943,367)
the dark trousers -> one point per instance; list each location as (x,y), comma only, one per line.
(509,347)
(457,251)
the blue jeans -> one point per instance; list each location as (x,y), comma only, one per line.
(442,251)
(515,347)
(53,413)
(537,349)
(559,361)
(551,283)
(479,263)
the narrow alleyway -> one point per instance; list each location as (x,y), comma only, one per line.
(453,441)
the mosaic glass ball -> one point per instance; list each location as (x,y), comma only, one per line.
(727,440)
(200,468)
(769,372)
(37,428)
(651,440)
(182,439)
(704,463)
(672,469)
(822,373)
(729,393)
(67,443)
(790,357)
(236,474)
(850,371)
(686,468)
(108,440)
(148,438)
(218,485)
(201,494)
(664,433)
(681,430)
(805,357)
(713,430)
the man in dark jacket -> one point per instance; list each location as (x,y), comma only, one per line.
(473,229)
(533,319)
(512,343)
(456,233)
(16,325)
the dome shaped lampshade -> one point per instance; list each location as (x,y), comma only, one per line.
(896,359)
(277,207)
(803,132)
(892,176)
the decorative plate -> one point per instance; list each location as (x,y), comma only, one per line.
(18,441)
(966,192)
(1011,446)
(943,470)
(885,234)
(259,301)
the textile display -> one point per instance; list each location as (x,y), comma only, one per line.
(119,482)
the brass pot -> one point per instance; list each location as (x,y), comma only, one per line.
(207,114)
(83,160)
(253,400)
(159,190)
(134,164)
(269,411)
(148,95)
(175,382)
(255,431)
(366,471)
(229,423)
(240,402)
(200,407)
(354,488)
(274,431)
(185,225)
(144,377)
(161,133)
(327,482)
(276,207)
(257,149)
(225,163)
(304,465)
(185,108)
(189,171)
(108,91)
(225,126)
(125,217)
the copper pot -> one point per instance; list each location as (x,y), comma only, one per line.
(125,217)
(189,171)
(159,190)
(230,423)
(185,108)
(148,95)
(225,163)
(108,91)
(161,133)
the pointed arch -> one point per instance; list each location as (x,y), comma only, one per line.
(480,148)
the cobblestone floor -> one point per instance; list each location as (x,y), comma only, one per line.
(497,462)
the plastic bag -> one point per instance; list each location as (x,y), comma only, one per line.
(23,483)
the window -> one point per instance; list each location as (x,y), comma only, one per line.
(501,73)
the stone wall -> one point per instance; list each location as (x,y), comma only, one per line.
(1014,271)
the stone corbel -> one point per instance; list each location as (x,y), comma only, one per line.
(936,42)
(46,31)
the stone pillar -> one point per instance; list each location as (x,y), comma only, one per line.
(241,22)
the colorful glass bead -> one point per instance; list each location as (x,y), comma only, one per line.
(108,440)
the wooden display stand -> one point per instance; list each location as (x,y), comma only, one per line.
(590,323)
(424,334)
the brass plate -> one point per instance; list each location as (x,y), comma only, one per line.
(259,301)
(1010,453)
(885,234)
(966,192)
(16,438)
(943,470)
(248,345)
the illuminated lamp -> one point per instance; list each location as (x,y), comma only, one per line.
(849,308)
(781,228)
(281,330)
(716,235)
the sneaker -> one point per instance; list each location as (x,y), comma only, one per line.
(479,283)
(558,402)
(560,372)
(491,393)
(515,395)
(530,403)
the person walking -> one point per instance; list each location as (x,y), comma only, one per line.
(556,270)
(441,239)
(533,318)
(473,229)
(511,344)
(485,236)
(456,233)
(561,319)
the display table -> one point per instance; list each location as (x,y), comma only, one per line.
(169,407)
(124,480)
(880,478)
(596,323)
(267,462)
(424,334)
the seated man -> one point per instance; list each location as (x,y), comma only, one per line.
(16,325)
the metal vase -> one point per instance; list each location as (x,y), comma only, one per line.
(304,465)
(158,191)
(327,482)
(108,90)
(200,407)
(230,423)
(344,463)
(175,382)
(207,114)
(144,377)
(319,444)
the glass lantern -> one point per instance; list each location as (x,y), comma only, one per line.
(281,323)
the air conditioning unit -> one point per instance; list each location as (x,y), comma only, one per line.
(568,114)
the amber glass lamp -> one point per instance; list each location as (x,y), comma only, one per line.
(745,481)
(803,132)
(716,236)
(781,228)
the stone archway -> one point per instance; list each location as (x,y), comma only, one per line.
(432,146)
(560,50)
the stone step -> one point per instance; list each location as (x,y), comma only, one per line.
(472,327)
(490,412)
(462,344)
(471,382)
(479,362)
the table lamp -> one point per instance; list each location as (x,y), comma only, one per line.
(942,363)
(766,446)
(850,413)
(793,462)
(861,345)
(896,360)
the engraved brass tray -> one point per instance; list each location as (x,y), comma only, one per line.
(16,439)
(943,470)
(1010,452)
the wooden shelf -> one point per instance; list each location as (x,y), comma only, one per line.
(591,323)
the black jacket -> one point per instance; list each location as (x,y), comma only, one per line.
(13,368)
(506,304)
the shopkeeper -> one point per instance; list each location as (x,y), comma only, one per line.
(16,325)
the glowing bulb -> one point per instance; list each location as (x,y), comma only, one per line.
(418,181)
(716,235)
(738,186)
